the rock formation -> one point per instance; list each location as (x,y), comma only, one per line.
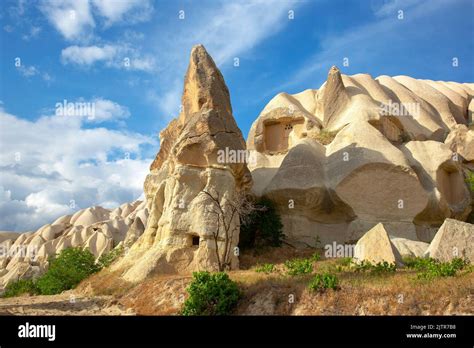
(411,248)
(359,151)
(386,155)
(375,247)
(181,230)
(100,230)
(454,239)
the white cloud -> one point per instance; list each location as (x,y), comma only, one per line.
(33,33)
(96,110)
(106,110)
(48,163)
(391,8)
(239,26)
(364,44)
(30,71)
(114,11)
(72,18)
(8,28)
(27,71)
(88,55)
(170,101)
(227,30)
(116,56)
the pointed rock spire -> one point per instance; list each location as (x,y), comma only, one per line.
(335,96)
(204,86)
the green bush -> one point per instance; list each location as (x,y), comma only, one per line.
(418,263)
(211,294)
(105,260)
(321,282)
(470,180)
(20,287)
(262,227)
(265,268)
(430,268)
(376,269)
(67,270)
(299,266)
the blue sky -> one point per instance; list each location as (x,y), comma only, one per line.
(75,51)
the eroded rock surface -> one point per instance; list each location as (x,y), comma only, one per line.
(360,151)
(179,236)
(376,247)
(98,229)
(455,239)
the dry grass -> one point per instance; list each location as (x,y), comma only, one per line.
(325,137)
(105,283)
(399,293)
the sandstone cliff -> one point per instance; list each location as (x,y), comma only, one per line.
(397,153)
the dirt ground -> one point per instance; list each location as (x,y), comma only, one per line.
(276,293)
(66,303)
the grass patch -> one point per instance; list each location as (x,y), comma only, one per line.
(21,287)
(325,137)
(429,268)
(378,268)
(315,257)
(322,282)
(105,260)
(299,266)
(265,268)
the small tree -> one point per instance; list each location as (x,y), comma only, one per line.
(228,214)
(262,227)
(67,270)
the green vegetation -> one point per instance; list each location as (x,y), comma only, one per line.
(21,287)
(470,180)
(299,266)
(315,257)
(375,269)
(429,268)
(265,268)
(262,227)
(344,261)
(211,294)
(105,260)
(65,272)
(321,282)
